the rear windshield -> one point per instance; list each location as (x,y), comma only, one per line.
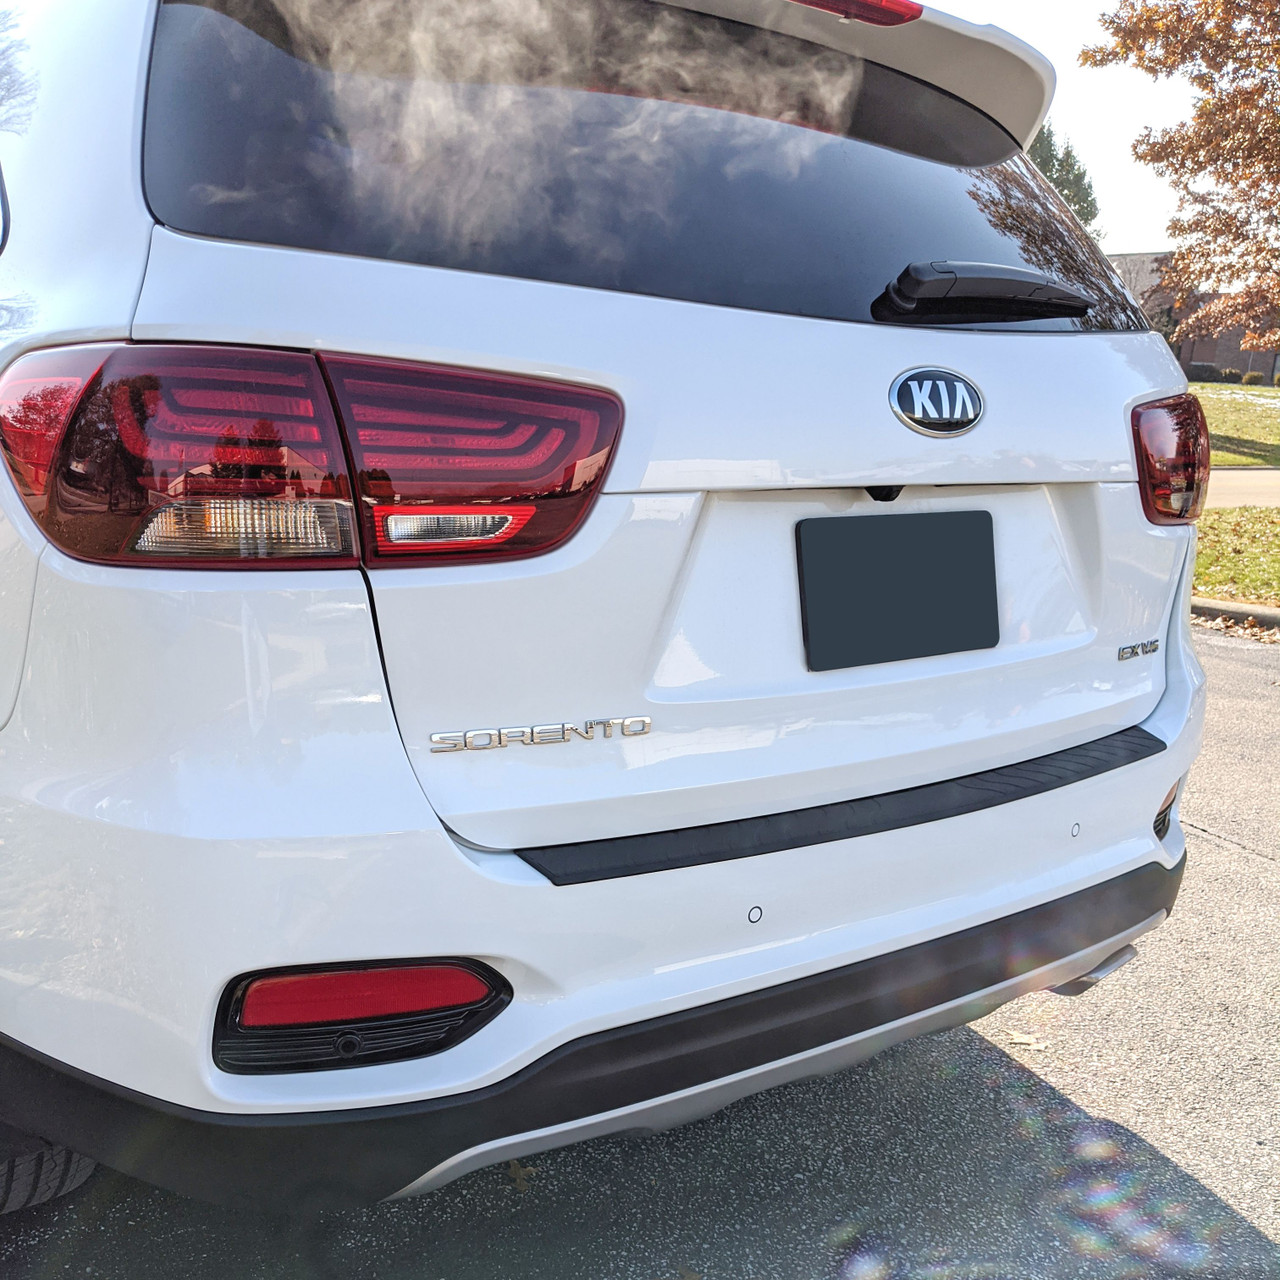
(614,144)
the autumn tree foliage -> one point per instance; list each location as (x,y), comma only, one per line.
(1224,162)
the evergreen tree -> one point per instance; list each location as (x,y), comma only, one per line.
(1062,167)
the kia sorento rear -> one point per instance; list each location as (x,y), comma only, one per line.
(564,563)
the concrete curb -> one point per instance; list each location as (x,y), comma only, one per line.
(1264,615)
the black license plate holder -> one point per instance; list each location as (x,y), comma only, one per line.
(891,588)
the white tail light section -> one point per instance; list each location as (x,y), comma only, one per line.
(234,457)
(408,528)
(247,529)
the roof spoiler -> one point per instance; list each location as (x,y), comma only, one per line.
(984,66)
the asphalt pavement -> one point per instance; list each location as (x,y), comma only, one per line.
(1130,1134)
(1244,487)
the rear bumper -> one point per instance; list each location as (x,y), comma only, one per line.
(650,1074)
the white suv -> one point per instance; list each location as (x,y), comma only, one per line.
(562,562)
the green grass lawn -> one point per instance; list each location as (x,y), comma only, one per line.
(1244,423)
(1240,555)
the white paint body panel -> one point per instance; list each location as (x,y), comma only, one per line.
(78,229)
(715,398)
(206,774)
(203,777)
(79,226)
(679,599)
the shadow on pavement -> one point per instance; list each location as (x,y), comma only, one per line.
(941,1160)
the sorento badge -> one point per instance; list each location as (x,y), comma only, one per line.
(539,735)
(936,402)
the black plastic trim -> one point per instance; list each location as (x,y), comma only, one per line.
(342,1159)
(568,864)
(241,1050)
(5,222)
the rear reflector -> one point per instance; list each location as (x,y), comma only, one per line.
(465,466)
(1172,442)
(351,995)
(353,1015)
(880,13)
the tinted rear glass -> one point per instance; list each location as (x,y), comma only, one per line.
(613,144)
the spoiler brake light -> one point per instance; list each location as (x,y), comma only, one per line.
(879,13)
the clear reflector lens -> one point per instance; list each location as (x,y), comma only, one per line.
(419,528)
(249,529)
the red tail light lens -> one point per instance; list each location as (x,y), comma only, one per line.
(352,995)
(214,457)
(880,13)
(459,466)
(37,396)
(1172,440)
(171,455)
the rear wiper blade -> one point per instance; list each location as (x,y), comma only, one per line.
(951,291)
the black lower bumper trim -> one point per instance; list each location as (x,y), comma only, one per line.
(869,815)
(342,1159)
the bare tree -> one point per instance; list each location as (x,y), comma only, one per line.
(1136,273)
(17,87)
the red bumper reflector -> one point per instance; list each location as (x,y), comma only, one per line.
(879,13)
(1172,442)
(350,995)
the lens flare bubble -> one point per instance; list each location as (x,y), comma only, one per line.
(867,1266)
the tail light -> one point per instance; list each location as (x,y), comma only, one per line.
(353,1015)
(880,13)
(179,455)
(1172,439)
(454,465)
(233,457)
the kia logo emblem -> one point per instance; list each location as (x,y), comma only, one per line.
(936,402)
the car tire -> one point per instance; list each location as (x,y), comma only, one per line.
(33,1171)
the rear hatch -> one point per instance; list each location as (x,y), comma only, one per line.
(702,218)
